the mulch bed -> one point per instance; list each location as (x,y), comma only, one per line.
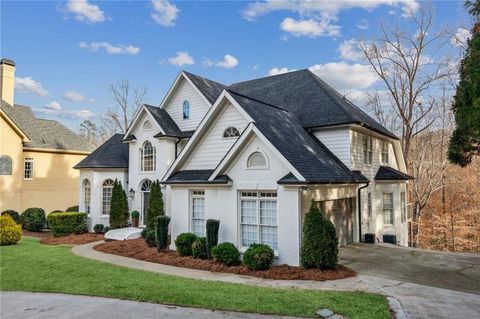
(37,234)
(138,249)
(72,239)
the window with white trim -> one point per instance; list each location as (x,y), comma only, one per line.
(5,165)
(367,149)
(369,203)
(258,218)
(231,132)
(388,208)
(147,126)
(403,207)
(87,195)
(147,157)
(257,160)
(106,196)
(197,202)
(384,152)
(186,110)
(28,168)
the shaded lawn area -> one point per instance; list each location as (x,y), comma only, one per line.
(30,266)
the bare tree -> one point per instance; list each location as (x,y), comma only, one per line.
(127,101)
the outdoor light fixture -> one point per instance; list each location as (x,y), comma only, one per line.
(131,193)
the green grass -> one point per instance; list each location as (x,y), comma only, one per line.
(30,266)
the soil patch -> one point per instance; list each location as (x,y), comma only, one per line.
(138,249)
(72,239)
(37,234)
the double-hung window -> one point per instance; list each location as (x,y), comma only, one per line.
(87,195)
(367,149)
(258,218)
(148,157)
(28,171)
(369,203)
(198,212)
(403,206)
(107,189)
(388,208)
(384,152)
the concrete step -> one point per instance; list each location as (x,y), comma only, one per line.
(124,233)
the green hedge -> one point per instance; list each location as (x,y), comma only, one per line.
(62,224)
(258,257)
(226,253)
(33,219)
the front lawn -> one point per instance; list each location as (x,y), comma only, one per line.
(30,266)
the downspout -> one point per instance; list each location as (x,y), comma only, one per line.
(360,211)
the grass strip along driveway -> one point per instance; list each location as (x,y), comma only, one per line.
(30,266)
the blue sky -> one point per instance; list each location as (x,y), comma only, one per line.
(68,53)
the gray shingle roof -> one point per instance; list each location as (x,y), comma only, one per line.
(166,122)
(111,154)
(44,133)
(313,160)
(195,177)
(387,173)
(210,89)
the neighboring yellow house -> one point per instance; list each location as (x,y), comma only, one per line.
(36,156)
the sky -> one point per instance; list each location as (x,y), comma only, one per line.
(69,53)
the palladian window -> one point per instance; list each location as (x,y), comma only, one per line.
(148,157)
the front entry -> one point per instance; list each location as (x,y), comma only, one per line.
(145,191)
(340,213)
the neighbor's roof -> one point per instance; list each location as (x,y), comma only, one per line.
(44,133)
(313,160)
(387,173)
(196,177)
(111,154)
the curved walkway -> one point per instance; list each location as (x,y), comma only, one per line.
(348,284)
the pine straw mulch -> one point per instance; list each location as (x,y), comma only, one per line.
(138,249)
(72,239)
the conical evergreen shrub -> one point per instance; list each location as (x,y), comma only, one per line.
(155,205)
(118,206)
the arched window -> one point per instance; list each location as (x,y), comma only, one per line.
(147,126)
(148,157)
(257,160)
(106,196)
(5,165)
(186,110)
(87,195)
(231,132)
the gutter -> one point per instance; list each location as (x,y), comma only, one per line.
(360,211)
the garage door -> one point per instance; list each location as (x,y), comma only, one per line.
(340,213)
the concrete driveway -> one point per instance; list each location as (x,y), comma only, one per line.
(427,284)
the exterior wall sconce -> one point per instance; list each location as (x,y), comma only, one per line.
(131,193)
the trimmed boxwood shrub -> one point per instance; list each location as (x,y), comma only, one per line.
(149,237)
(33,219)
(184,243)
(320,243)
(212,235)
(135,214)
(98,228)
(227,254)
(10,231)
(258,257)
(71,209)
(15,215)
(161,232)
(199,248)
(106,229)
(63,224)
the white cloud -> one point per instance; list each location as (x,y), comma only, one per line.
(310,27)
(229,61)
(55,109)
(28,85)
(164,13)
(345,77)
(109,48)
(85,11)
(460,38)
(349,50)
(208,62)
(276,71)
(182,58)
(362,25)
(74,96)
(54,106)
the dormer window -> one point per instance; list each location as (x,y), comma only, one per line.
(186,110)
(147,126)
(231,132)
(257,161)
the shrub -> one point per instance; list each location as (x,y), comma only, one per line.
(81,229)
(161,232)
(10,231)
(71,209)
(118,206)
(149,237)
(33,219)
(63,224)
(320,243)
(15,215)
(106,229)
(184,243)
(258,257)
(155,205)
(135,214)
(212,235)
(98,228)
(227,254)
(199,248)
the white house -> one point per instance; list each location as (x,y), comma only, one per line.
(254,155)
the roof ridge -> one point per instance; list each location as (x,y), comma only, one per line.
(253,99)
(269,76)
(187,73)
